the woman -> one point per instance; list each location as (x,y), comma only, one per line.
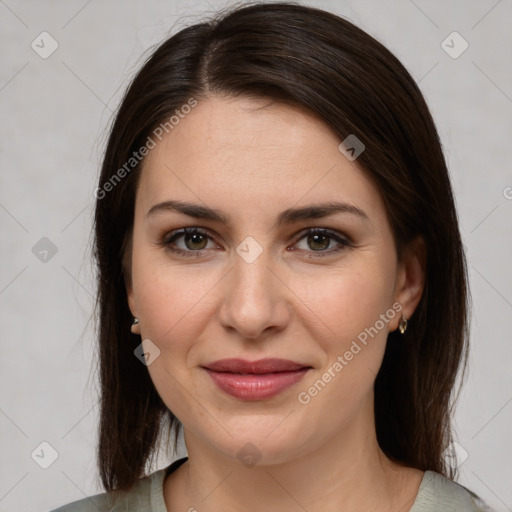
(275,220)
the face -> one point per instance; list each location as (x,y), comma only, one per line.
(253,282)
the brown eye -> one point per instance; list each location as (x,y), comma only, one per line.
(318,240)
(194,241)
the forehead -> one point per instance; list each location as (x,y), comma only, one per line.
(244,126)
(253,151)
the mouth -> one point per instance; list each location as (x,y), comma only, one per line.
(255,380)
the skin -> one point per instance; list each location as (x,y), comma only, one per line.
(251,159)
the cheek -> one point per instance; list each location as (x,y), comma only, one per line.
(348,300)
(356,306)
(175,300)
(171,305)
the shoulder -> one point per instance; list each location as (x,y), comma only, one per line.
(437,491)
(145,495)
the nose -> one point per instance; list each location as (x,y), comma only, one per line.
(256,300)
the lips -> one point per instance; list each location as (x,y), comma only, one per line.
(260,366)
(255,380)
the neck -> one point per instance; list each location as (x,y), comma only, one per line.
(348,468)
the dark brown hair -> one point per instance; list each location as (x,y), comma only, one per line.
(308,57)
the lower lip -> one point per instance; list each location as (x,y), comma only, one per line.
(255,386)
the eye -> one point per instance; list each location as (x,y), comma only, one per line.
(320,239)
(195,241)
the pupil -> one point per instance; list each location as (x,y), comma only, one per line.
(315,238)
(194,238)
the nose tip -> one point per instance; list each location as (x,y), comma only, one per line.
(255,300)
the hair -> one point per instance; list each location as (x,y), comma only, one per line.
(311,58)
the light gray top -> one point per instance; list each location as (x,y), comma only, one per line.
(435,494)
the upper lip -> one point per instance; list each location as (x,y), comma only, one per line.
(269,365)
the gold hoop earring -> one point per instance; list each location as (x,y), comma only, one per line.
(402,326)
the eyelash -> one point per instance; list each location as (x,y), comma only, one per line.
(174,235)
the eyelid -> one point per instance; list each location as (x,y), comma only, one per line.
(325,231)
(177,233)
(183,231)
(343,240)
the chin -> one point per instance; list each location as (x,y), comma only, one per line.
(264,444)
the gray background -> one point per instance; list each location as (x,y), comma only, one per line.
(54,114)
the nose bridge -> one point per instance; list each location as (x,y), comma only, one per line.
(251,276)
(255,299)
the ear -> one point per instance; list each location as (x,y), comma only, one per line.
(130,296)
(135,328)
(410,280)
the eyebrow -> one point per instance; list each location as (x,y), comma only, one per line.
(289,216)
